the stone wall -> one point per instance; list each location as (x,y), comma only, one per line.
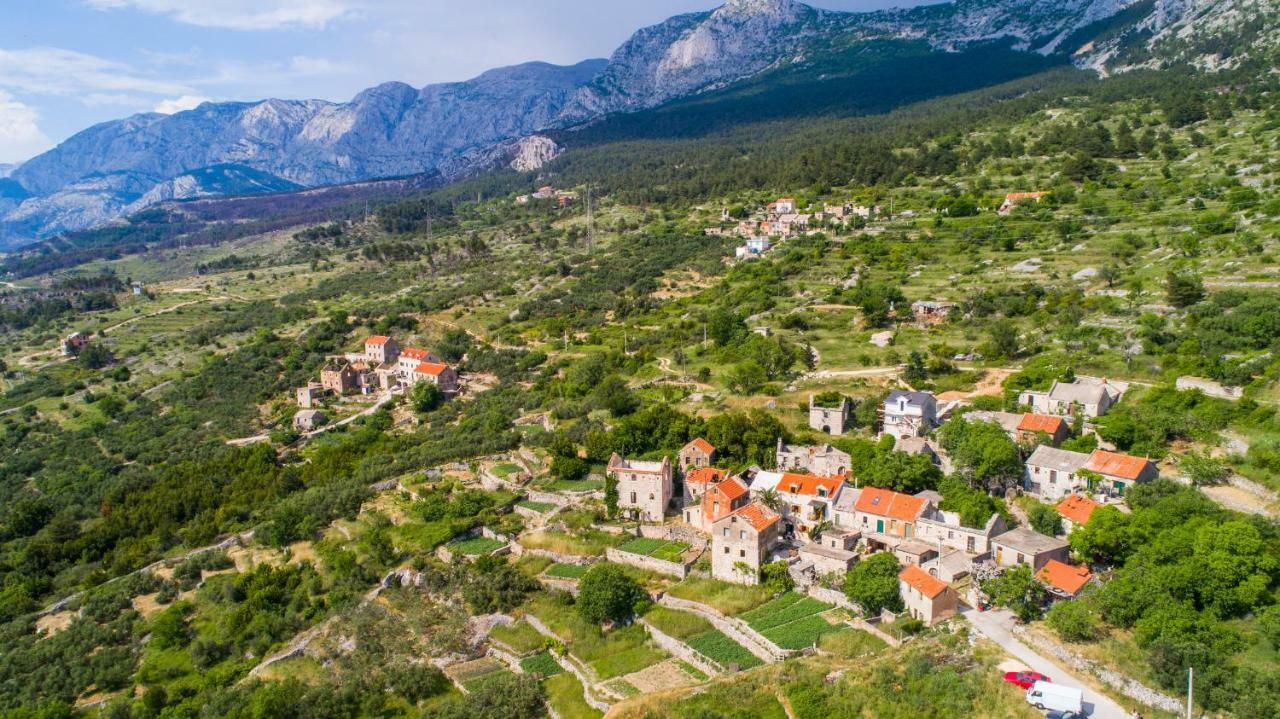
(519,550)
(652,564)
(571,665)
(674,533)
(831,596)
(534,495)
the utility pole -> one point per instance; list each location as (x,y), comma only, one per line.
(1191,688)
(591,224)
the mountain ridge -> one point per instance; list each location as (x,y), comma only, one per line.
(452,129)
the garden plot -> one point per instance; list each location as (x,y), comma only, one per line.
(476,546)
(539,507)
(470,675)
(567,571)
(792,621)
(664,549)
(702,637)
(541,664)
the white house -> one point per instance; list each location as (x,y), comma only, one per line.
(804,500)
(910,414)
(1090,396)
(1051,474)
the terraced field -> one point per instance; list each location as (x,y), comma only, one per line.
(664,549)
(792,621)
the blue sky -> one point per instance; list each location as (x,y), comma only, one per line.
(68,64)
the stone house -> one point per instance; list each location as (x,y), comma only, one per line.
(1089,396)
(721,499)
(1033,428)
(927,312)
(437,373)
(1075,511)
(695,485)
(1051,474)
(834,553)
(380,349)
(944,528)
(915,553)
(804,500)
(1119,472)
(308,419)
(1013,199)
(741,542)
(309,395)
(697,454)
(887,517)
(910,414)
(822,459)
(409,359)
(925,597)
(644,488)
(339,379)
(1023,546)
(830,420)
(73,343)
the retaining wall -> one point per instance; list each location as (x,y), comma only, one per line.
(680,650)
(570,665)
(652,564)
(735,629)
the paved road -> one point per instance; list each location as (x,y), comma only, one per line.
(997,626)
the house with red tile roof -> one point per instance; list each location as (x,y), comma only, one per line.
(891,515)
(1043,429)
(1013,199)
(697,454)
(1119,472)
(695,485)
(741,542)
(1075,511)
(437,373)
(720,499)
(804,500)
(1064,580)
(380,349)
(926,597)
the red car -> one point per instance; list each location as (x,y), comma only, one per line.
(1025,679)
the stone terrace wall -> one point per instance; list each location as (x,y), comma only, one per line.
(675,533)
(735,629)
(680,650)
(652,564)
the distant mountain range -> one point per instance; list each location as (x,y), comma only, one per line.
(454,129)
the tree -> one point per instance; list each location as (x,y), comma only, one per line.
(1017,589)
(606,593)
(1105,539)
(775,577)
(1044,519)
(747,377)
(94,355)
(614,395)
(1074,621)
(494,585)
(1183,290)
(873,584)
(426,397)
(916,372)
(1203,470)
(1003,339)
(569,469)
(984,453)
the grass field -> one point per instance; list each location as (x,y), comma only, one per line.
(476,546)
(621,651)
(727,598)
(540,507)
(520,637)
(542,664)
(657,548)
(586,544)
(702,636)
(567,571)
(564,694)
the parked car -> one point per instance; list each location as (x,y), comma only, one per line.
(1024,680)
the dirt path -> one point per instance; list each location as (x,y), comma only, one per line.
(382,400)
(157,313)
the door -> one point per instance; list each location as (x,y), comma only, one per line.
(880,526)
(1119,489)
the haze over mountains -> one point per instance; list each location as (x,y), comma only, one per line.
(452,129)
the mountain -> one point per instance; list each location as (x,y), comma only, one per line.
(450,130)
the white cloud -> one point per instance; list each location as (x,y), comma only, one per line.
(241,14)
(20,135)
(55,71)
(178,104)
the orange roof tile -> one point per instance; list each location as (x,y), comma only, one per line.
(809,484)
(705,475)
(701,445)
(1114,464)
(1025,195)
(887,503)
(731,488)
(1041,423)
(377,340)
(925,583)
(435,369)
(1063,576)
(1076,508)
(758,516)
(415,353)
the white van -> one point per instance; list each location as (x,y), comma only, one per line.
(1055,697)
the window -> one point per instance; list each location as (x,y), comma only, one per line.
(726,531)
(741,535)
(951,534)
(1021,559)
(651,496)
(1053,476)
(742,553)
(970,545)
(726,550)
(633,497)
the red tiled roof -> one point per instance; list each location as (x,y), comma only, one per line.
(414,353)
(1063,576)
(705,475)
(701,445)
(809,484)
(1015,196)
(758,516)
(1076,508)
(435,369)
(377,340)
(1041,423)
(925,583)
(731,488)
(887,503)
(1114,464)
